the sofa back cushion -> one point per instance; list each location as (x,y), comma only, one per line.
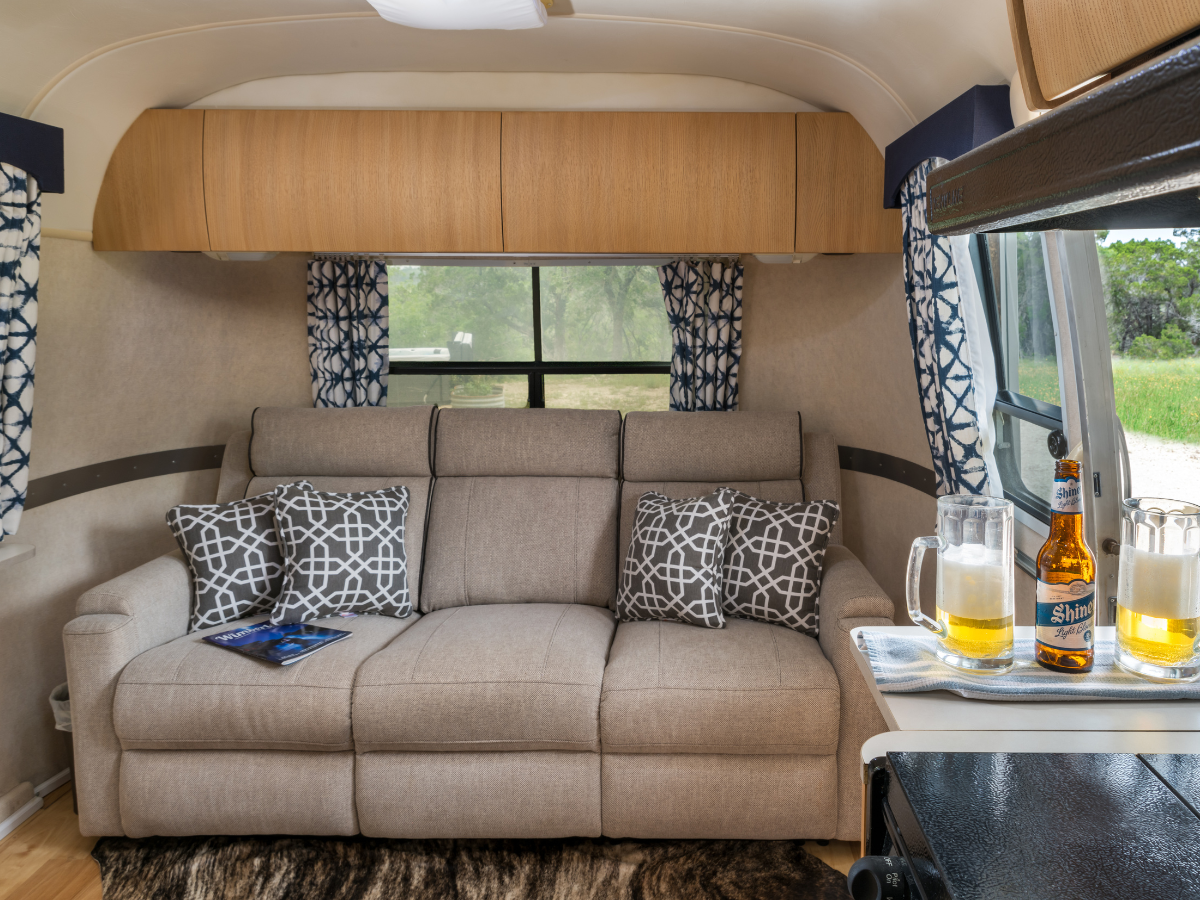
(763,454)
(524,508)
(340,451)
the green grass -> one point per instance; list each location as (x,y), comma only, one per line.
(1038,379)
(1159,397)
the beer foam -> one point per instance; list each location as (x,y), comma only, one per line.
(1161,585)
(972,584)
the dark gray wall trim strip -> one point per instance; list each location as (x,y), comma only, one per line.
(893,468)
(119,471)
(193,459)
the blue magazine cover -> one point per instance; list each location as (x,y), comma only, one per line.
(282,644)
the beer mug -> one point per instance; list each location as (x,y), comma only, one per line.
(974,546)
(1158,589)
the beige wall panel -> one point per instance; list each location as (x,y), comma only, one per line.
(142,352)
(830,337)
(881,518)
(137,352)
(152,196)
(1071,41)
(81,542)
(642,182)
(839,189)
(353,180)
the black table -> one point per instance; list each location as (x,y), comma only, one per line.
(1035,826)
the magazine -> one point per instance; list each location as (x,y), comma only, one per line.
(282,644)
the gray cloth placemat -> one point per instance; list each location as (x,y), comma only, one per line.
(907,664)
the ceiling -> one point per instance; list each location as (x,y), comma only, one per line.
(92,67)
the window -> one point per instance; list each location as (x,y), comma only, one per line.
(1018,295)
(582,336)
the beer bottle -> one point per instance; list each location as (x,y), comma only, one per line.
(1066,582)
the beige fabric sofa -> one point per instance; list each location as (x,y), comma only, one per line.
(513,704)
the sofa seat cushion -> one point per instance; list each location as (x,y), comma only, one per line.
(750,687)
(497,677)
(191,695)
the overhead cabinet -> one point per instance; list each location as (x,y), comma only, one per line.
(585,182)
(381,181)
(353,180)
(839,189)
(152,197)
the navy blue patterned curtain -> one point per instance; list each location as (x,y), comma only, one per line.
(941,351)
(704,307)
(348,332)
(20,256)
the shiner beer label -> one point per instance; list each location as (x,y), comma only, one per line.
(1067,498)
(1066,614)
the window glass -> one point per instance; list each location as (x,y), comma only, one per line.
(1020,308)
(593,313)
(1024,459)
(510,391)
(490,307)
(627,393)
(1027,318)
(1152,295)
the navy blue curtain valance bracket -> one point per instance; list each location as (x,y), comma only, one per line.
(963,124)
(34,148)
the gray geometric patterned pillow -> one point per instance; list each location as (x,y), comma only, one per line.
(673,568)
(774,560)
(233,553)
(342,553)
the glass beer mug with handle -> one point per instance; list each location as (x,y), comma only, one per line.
(1158,589)
(974,544)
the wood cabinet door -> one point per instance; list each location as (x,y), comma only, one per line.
(354,181)
(645,182)
(839,189)
(152,196)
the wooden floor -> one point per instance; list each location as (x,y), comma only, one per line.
(48,859)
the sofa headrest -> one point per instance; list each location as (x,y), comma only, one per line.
(712,446)
(581,443)
(364,441)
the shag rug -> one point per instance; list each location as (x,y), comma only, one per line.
(289,868)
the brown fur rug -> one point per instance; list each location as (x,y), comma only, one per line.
(290,868)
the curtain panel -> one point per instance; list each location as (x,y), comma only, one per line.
(20,256)
(951,401)
(704,308)
(348,332)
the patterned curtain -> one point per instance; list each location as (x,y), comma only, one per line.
(941,353)
(704,307)
(20,256)
(348,332)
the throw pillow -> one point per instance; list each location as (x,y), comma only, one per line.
(233,553)
(342,553)
(673,568)
(774,560)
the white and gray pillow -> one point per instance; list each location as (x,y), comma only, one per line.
(342,553)
(774,560)
(233,553)
(674,565)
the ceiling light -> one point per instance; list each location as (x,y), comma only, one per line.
(464,14)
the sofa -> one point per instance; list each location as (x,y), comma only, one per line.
(513,704)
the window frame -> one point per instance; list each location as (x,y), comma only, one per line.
(536,369)
(1014,405)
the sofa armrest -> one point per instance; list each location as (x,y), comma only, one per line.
(117,621)
(850,598)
